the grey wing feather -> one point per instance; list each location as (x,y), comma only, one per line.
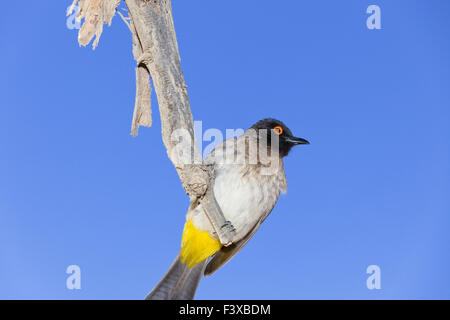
(226,253)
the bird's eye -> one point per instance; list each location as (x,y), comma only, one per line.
(278,130)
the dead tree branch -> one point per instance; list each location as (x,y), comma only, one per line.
(155,49)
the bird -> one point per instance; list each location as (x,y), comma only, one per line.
(249,178)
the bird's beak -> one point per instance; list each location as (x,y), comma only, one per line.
(296,141)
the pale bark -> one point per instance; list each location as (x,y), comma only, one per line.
(95,13)
(155,49)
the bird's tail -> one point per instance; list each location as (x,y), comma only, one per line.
(179,283)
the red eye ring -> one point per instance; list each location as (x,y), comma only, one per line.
(278,130)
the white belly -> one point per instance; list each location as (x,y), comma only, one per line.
(244,195)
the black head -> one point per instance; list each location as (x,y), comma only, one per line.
(278,128)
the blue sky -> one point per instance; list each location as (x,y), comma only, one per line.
(372,188)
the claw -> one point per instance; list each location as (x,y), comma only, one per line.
(229,225)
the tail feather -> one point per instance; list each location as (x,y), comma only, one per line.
(179,283)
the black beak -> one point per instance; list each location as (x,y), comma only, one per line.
(295,141)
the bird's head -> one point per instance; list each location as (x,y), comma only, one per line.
(278,130)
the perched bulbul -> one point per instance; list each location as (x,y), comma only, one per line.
(249,177)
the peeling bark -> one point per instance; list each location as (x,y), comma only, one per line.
(95,14)
(142,115)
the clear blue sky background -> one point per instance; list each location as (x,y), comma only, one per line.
(372,188)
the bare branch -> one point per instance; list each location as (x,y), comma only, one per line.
(155,50)
(155,33)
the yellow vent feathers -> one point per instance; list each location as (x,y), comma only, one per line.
(197,245)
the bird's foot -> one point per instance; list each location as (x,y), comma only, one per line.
(227,229)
